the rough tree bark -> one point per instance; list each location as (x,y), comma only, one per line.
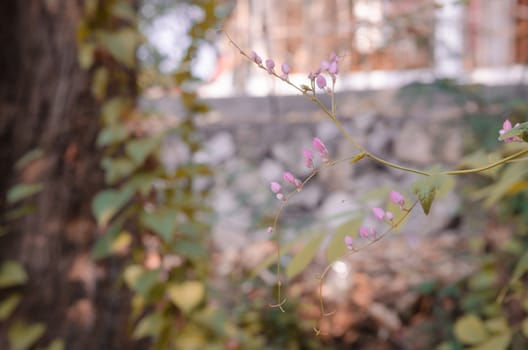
(45,103)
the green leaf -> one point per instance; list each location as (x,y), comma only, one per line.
(498,342)
(187,295)
(27,158)
(336,247)
(103,247)
(12,274)
(22,336)
(107,203)
(470,330)
(139,279)
(122,45)
(117,168)
(426,189)
(112,135)
(305,256)
(22,191)
(112,110)
(8,306)
(149,326)
(138,150)
(124,11)
(161,221)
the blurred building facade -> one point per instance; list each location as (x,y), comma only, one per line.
(441,38)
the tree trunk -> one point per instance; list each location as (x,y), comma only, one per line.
(45,103)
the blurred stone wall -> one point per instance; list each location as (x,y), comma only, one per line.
(250,141)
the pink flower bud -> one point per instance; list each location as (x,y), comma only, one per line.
(333,69)
(280,196)
(288,177)
(324,65)
(389,216)
(308,159)
(298,183)
(255,57)
(378,213)
(320,81)
(275,187)
(312,76)
(270,65)
(397,198)
(349,242)
(270,229)
(285,68)
(365,232)
(321,148)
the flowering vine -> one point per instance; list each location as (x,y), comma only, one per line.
(425,189)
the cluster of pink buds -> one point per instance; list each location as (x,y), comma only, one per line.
(380,214)
(269,65)
(308,161)
(507,125)
(331,67)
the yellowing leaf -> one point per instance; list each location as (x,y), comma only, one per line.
(22,336)
(121,242)
(524,327)
(498,342)
(57,344)
(161,222)
(8,306)
(149,325)
(12,274)
(497,325)
(186,295)
(305,256)
(122,45)
(470,330)
(86,55)
(100,83)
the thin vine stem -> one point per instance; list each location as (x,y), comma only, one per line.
(322,277)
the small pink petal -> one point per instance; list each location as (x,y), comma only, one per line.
(324,65)
(270,229)
(333,69)
(280,196)
(320,148)
(389,215)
